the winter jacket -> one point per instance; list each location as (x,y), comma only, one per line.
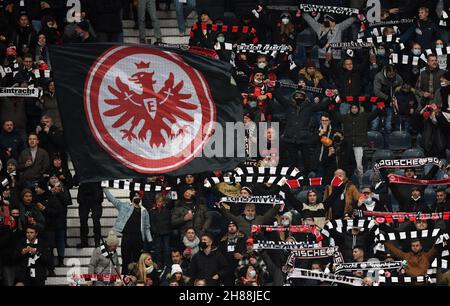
(39,166)
(41,264)
(54,211)
(351,196)
(245,225)
(51,109)
(298,118)
(333,35)
(418,264)
(160,220)
(125,211)
(428,81)
(200,221)
(100,264)
(52,142)
(355,126)
(206,266)
(31,210)
(11,140)
(384,88)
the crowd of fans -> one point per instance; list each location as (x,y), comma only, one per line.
(187,236)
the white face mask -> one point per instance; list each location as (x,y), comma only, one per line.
(262,65)
(221,39)
(285,20)
(257,82)
(285,222)
(249,218)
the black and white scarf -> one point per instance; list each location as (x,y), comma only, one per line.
(341,225)
(369,265)
(132,186)
(262,49)
(338,10)
(32,258)
(20,92)
(259,200)
(282,245)
(376,40)
(406,163)
(313,253)
(404,59)
(395,236)
(325,277)
(350,45)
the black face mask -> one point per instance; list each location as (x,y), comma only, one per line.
(326,24)
(299,100)
(202,245)
(136,201)
(11,58)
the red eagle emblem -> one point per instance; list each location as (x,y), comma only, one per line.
(155,109)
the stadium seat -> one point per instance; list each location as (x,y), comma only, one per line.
(375,139)
(412,153)
(399,140)
(382,154)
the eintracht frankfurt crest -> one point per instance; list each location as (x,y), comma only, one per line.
(148,109)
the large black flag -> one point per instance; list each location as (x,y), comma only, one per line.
(132,111)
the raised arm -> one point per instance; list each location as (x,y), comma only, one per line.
(117,204)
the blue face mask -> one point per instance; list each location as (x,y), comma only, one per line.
(381,52)
(417,52)
(252,274)
(439,46)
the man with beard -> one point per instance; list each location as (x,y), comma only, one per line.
(417,260)
(232,246)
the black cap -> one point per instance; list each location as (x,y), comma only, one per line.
(232,222)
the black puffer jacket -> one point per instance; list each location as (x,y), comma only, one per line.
(298,118)
(160,221)
(355,126)
(206,266)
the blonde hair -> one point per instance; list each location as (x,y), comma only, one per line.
(141,274)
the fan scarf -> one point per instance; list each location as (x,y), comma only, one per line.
(259,200)
(340,225)
(355,266)
(96,277)
(308,8)
(438,51)
(281,245)
(20,92)
(350,45)
(388,217)
(407,163)
(394,236)
(32,258)
(313,253)
(325,277)
(404,59)
(132,186)
(262,49)
(398,179)
(306,229)
(223,28)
